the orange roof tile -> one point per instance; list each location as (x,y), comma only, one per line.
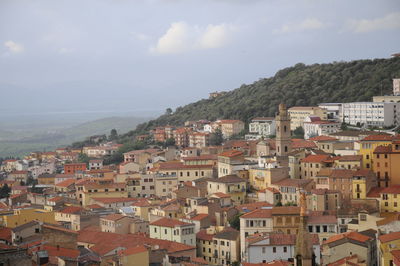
(113,217)
(378,138)
(199,217)
(258,213)
(168,222)
(322,138)
(231,153)
(318,158)
(114,200)
(66,183)
(72,210)
(134,250)
(389,237)
(393,189)
(348,235)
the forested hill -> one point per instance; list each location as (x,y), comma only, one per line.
(300,85)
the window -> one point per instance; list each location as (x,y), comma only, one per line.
(263,250)
(284,249)
(155,229)
(274,249)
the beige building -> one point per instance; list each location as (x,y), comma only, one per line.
(120,224)
(165,184)
(185,172)
(173,230)
(230,127)
(199,139)
(229,162)
(218,246)
(231,185)
(299,113)
(323,200)
(262,178)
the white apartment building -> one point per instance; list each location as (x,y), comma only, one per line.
(173,230)
(333,110)
(371,113)
(320,128)
(261,127)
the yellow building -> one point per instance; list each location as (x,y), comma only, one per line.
(23,216)
(386,164)
(299,113)
(261,178)
(232,185)
(362,182)
(389,200)
(134,256)
(368,145)
(94,190)
(386,244)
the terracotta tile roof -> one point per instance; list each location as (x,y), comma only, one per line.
(133,250)
(5,234)
(220,195)
(227,179)
(100,186)
(290,182)
(389,237)
(231,153)
(59,251)
(323,191)
(349,158)
(322,219)
(393,189)
(3,205)
(396,254)
(94,206)
(258,213)
(72,210)
(345,261)
(389,219)
(141,203)
(202,234)
(383,149)
(324,172)
(201,157)
(348,235)
(56,199)
(375,192)
(199,217)
(59,228)
(113,217)
(317,158)
(303,144)
(322,138)
(341,173)
(228,234)
(378,138)
(168,222)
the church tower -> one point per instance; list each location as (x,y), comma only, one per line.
(283,141)
(304,248)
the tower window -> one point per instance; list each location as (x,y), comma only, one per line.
(286,149)
(284,128)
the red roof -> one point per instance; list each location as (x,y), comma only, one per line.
(58,251)
(393,189)
(389,237)
(199,217)
(221,195)
(345,261)
(168,222)
(383,149)
(134,250)
(5,234)
(374,192)
(114,200)
(113,217)
(66,183)
(302,144)
(271,263)
(72,210)
(202,234)
(322,138)
(258,213)
(231,153)
(348,235)
(378,138)
(252,206)
(315,158)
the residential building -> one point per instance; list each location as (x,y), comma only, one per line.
(317,127)
(173,230)
(267,247)
(313,163)
(378,114)
(290,189)
(231,185)
(139,255)
(254,222)
(165,184)
(117,223)
(325,226)
(333,110)
(386,244)
(362,183)
(368,146)
(260,127)
(95,190)
(229,162)
(72,168)
(230,127)
(262,178)
(95,164)
(199,139)
(286,219)
(389,200)
(385,164)
(323,200)
(185,172)
(299,113)
(23,216)
(346,244)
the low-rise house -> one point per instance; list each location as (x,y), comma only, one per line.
(346,244)
(324,226)
(389,200)
(173,230)
(290,189)
(19,177)
(185,172)
(22,216)
(114,203)
(314,126)
(25,232)
(95,164)
(286,219)
(120,224)
(389,224)
(230,127)
(165,184)
(200,221)
(386,244)
(270,195)
(72,168)
(101,190)
(218,246)
(263,248)
(139,255)
(256,221)
(75,218)
(231,185)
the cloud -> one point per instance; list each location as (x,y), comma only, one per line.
(388,22)
(182,37)
(14,47)
(307,24)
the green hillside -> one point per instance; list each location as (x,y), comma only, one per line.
(299,85)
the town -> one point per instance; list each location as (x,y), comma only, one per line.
(314,185)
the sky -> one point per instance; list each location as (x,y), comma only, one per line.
(143,56)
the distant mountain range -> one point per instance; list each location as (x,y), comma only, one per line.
(299,85)
(19,141)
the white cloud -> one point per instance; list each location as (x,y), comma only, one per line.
(388,22)
(182,37)
(307,24)
(14,47)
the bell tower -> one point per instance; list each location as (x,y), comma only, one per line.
(283,141)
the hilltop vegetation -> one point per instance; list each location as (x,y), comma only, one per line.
(299,85)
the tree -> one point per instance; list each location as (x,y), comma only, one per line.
(168,111)
(83,158)
(235,221)
(216,138)
(278,204)
(298,133)
(113,134)
(343,126)
(169,142)
(5,191)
